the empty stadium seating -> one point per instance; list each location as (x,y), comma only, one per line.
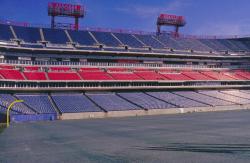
(124,76)
(105,38)
(82,37)
(6,99)
(5,33)
(27,34)
(55,36)
(111,102)
(136,42)
(128,39)
(98,75)
(35,75)
(117,73)
(196,76)
(175,76)
(73,103)
(207,100)
(11,74)
(176,100)
(145,101)
(149,75)
(63,76)
(39,102)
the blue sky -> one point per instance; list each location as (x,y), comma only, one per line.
(204,17)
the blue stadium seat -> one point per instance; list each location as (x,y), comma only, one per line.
(146,101)
(203,98)
(5,33)
(111,102)
(6,99)
(128,39)
(176,100)
(150,41)
(106,38)
(27,34)
(55,36)
(74,103)
(82,37)
(40,103)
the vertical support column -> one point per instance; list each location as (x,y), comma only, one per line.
(52,22)
(76,23)
(176,31)
(158,29)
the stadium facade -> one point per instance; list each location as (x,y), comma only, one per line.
(66,74)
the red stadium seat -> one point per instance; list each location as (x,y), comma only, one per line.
(196,75)
(60,68)
(35,75)
(98,75)
(63,76)
(31,68)
(125,76)
(150,75)
(175,76)
(11,74)
(217,75)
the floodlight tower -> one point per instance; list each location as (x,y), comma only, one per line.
(65,10)
(170,20)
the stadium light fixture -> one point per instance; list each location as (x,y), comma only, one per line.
(9,108)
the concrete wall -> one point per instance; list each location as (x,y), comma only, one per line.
(133,113)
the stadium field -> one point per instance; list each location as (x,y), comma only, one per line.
(197,137)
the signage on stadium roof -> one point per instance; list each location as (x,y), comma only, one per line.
(64,9)
(167,19)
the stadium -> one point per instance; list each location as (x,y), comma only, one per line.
(72,84)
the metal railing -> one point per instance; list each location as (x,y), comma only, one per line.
(110,64)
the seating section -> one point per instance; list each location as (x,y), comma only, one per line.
(39,102)
(111,102)
(35,75)
(117,73)
(134,41)
(27,34)
(125,76)
(176,76)
(59,103)
(5,33)
(7,99)
(105,38)
(63,76)
(73,103)
(196,76)
(149,40)
(217,75)
(59,68)
(237,93)
(226,97)
(145,101)
(82,37)
(94,75)
(202,98)
(150,75)
(176,100)
(128,39)
(11,74)
(55,36)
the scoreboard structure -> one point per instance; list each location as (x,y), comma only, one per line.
(170,20)
(66,10)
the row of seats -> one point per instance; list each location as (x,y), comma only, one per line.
(121,74)
(120,101)
(90,38)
